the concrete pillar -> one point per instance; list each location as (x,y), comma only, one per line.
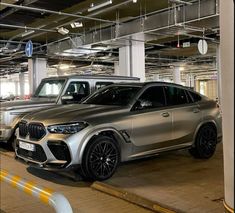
(218,68)
(37,71)
(16,88)
(227,97)
(177,75)
(22,84)
(132,58)
(189,80)
(116,68)
(138,56)
(124,61)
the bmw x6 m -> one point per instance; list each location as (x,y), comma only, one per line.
(118,123)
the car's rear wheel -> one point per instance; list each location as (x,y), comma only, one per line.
(100,159)
(205,143)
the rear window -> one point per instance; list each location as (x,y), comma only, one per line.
(175,96)
(195,96)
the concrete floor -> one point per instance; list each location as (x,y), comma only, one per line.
(174,179)
(177,180)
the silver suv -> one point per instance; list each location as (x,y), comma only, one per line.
(118,123)
(52,91)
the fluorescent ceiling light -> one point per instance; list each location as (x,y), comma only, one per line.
(95,7)
(134,1)
(63,31)
(76,24)
(26,33)
(64,66)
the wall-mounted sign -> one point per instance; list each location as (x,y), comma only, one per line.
(29,49)
(202,46)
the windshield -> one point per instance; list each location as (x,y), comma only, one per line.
(113,95)
(49,88)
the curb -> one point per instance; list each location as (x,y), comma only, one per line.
(133,198)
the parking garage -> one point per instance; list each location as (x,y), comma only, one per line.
(139,86)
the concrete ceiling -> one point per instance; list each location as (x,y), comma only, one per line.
(195,21)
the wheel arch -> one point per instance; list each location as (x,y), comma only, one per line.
(110,132)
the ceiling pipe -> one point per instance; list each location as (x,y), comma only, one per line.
(56,12)
(16,42)
(27,28)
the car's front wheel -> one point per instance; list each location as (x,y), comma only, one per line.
(205,143)
(101,158)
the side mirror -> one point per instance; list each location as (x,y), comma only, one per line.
(145,104)
(66,99)
(142,104)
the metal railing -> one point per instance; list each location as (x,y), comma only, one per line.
(47,196)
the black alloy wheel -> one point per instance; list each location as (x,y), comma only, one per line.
(205,144)
(101,158)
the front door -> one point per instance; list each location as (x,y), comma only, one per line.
(152,122)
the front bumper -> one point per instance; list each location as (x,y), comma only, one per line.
(46,166)
(44,158)
(5,133)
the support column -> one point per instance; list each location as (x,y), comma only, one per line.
(218,68)
(16,88)
(189,80)
(22,84)
(116,68)
(37,71)
(132,58)
(177,75)
(227,97)
(124,61)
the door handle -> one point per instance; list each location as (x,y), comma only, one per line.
(196,110)
(165,114)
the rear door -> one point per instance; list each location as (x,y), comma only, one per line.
(186,115)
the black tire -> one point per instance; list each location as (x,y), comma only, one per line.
(12,142)
(100,159)
(205,143)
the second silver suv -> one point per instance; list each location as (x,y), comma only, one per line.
(120,122)
(50,92)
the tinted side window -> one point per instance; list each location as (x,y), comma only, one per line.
(98,85)
(152,97)
(78,90)
(175,96)
(195,96)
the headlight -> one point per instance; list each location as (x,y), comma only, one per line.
(67,128)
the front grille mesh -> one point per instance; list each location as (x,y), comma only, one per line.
(36,131)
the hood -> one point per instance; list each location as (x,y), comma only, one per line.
(73,113)
(22,104)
